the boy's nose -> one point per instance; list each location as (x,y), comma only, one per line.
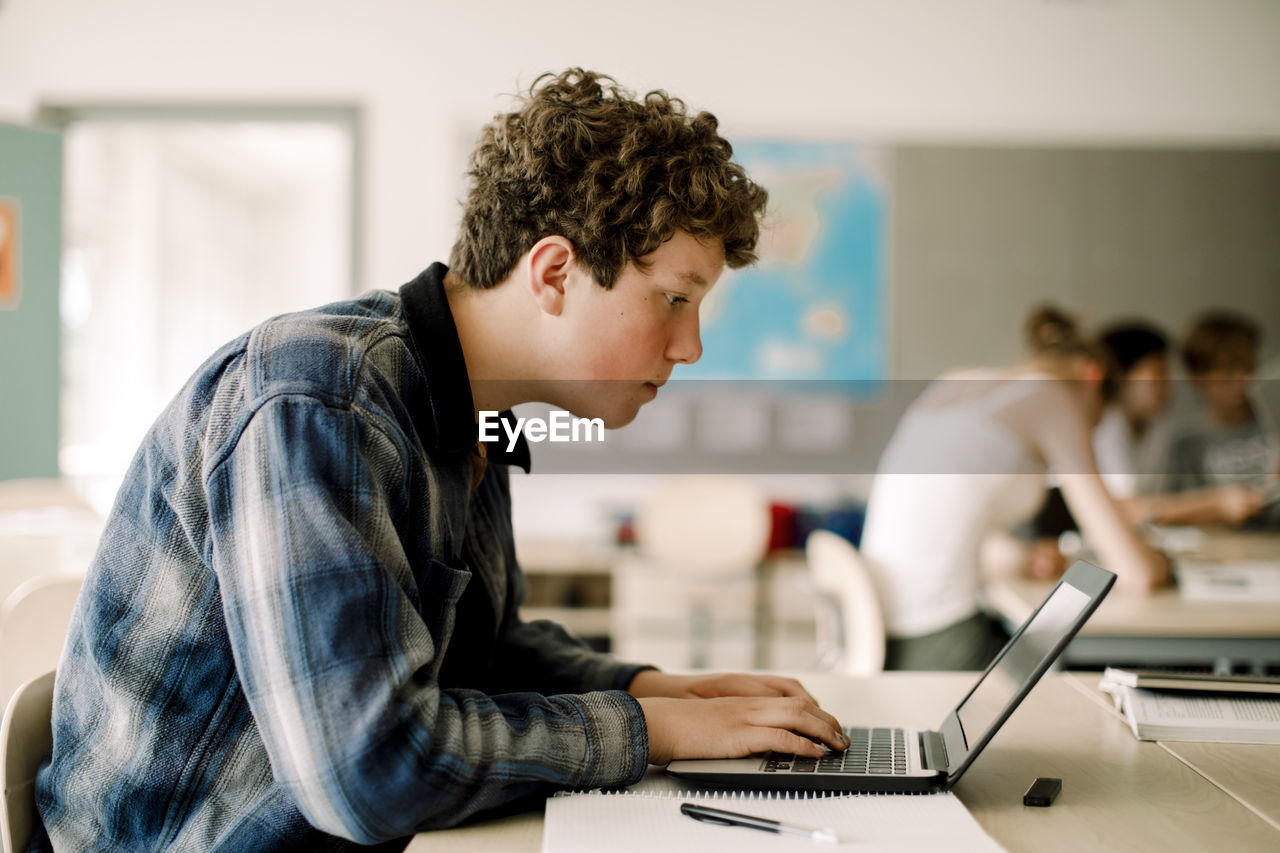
(686,346)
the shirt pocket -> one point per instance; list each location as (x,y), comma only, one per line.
(440,586)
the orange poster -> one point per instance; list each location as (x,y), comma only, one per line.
(10,274)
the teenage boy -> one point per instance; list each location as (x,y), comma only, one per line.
(1226,445)
(300,631)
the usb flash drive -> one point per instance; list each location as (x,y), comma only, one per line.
(1042,791)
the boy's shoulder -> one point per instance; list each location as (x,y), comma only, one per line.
(325,351)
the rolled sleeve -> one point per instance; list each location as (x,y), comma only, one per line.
(617,738)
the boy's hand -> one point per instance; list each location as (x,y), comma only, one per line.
(736,726)
(651,682)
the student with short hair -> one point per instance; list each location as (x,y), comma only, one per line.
(301,629)
(969,458)
(1225,446)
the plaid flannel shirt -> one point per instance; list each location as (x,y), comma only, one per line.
(299,631)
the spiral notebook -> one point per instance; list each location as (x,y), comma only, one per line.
(646,819)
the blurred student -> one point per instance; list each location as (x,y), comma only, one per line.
(970,457)
(1131,440)
(1132,443)
(301,630)
(1225,444)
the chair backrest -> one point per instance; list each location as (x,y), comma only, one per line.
(839,572)
(26,735)
(45,527)
(33,627)
(704,524)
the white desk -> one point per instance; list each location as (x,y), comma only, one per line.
(1163,629)
(1118,793)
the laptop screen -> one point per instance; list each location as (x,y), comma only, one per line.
(985,706)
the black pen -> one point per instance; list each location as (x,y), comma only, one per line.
(706,814)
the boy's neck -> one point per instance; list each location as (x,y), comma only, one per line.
(500,359)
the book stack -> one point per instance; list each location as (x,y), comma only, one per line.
(1175,706)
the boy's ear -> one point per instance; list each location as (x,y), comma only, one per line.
(550,261)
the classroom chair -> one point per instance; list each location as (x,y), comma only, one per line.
(26,735)
(45,527)
(850,626)
(33,627)
(700,540)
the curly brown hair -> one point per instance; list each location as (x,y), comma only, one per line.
(617,176)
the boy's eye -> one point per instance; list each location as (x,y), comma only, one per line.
(674,299)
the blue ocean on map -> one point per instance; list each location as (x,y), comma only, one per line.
(813,308)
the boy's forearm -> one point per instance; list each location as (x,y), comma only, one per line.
(471,753)
(542,656)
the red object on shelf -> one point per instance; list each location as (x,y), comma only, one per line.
(625,532)
(782,530)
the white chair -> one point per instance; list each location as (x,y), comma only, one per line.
(700,540)
(26,735)
(850,625)
(45,527)
(33,627)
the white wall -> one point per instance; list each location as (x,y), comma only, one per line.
(429,73)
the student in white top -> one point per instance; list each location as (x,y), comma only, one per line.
(1131,440)
(969,457)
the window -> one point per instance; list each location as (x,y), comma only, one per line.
(182,229)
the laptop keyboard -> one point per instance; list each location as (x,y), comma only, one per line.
(875,751)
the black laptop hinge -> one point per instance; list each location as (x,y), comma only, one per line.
(934,751)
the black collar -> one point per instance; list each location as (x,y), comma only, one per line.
(439,352)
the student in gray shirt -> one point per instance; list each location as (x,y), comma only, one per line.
(1226,444)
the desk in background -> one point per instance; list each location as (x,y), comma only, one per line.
(1157,630)
(569,583)
(1118,793)
(1162,629)
(603,594)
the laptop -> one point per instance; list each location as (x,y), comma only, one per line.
(912,761)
